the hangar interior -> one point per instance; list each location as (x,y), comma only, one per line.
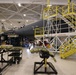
(37,37)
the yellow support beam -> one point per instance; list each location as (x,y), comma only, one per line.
(50,16)
(71,13)
(48,3)
(72,7)
(45,62)
(56,9)
(68,6)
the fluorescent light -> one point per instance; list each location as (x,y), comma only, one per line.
(11,24)
(24,14)
(3,20)
(26,20)
(49,5)
(19,4)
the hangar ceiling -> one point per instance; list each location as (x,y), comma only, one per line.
(19,13)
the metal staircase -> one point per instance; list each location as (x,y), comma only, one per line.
(67,20)
(67,54)
(68,48)
(72,20)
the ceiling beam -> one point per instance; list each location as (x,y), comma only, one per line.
(14,12)
(31,10)
(24,1)
(8,25)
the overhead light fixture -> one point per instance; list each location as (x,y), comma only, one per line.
(49,5)
(24,14)
(11,24)
(19,4)
(3,20)
(26,20)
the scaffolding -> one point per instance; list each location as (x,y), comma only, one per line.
(61,24)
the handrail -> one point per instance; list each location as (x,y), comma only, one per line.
(68,9)
(39,31)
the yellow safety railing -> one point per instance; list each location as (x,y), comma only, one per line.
(64,10)
(74,7)
(69,9)
(49,12)
(59,10)
(68,48)
(39,31)
(72,20)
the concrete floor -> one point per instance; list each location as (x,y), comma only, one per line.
(63,67)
